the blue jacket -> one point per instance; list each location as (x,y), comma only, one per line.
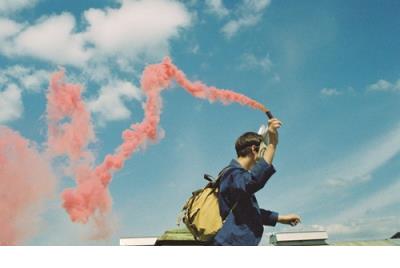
(243,225)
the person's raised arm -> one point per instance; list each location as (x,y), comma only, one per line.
(273,125)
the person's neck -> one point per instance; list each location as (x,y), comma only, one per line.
(245,162)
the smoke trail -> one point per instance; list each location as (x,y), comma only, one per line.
(69,133)
(25,174)
(26,182)
(91,194)
(166,71)
(69,127)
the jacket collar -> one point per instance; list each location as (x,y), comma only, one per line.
(236,164)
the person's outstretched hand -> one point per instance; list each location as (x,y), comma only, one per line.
(291,219)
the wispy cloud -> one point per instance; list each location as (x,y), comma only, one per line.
(248,14)
(8,28)
(14,82)
(360,165)
(195,49)
(331,181)
(357,228)
(217,7)
(385,86)
(109,105)
(364,218)
(329,92)
(249,61)
(11,107)
(12,6)
(26,77)
(323,191)
(375,202)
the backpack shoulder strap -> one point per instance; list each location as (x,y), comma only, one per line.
(222,173)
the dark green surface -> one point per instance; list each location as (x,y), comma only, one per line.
(178,237)
(182,236)
(383,242)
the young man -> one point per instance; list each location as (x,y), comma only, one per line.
(245,176)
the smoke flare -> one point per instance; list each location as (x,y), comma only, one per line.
(91,193)
(25,172)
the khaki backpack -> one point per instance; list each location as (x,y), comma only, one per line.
(201,213)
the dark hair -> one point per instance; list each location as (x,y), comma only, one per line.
(244,142)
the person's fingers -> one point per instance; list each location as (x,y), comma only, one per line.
(276,124)
(295,220)
(273,120)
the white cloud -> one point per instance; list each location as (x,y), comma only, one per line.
(250,61)
(11,6)
(8,28)
(11,107)
(385,86)
(36,80)
(111,41)
(15,71)
(137,27)
(249,14)
(109,104)
(217,7)
(52,39)
(233,26)
(27,78)
(330,92)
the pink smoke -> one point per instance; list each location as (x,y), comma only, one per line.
(70,131)
(69,127)
(160,75)
(91,194)
(26,182)
(25,174)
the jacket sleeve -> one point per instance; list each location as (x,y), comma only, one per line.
(269,217)
(251,182)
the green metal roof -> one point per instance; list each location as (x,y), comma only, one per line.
(177,234)
(178,237)
(182,236)
(383,242)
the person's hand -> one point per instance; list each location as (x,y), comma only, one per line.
(273,125)
(291,219)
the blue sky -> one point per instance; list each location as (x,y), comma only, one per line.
(327,69)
